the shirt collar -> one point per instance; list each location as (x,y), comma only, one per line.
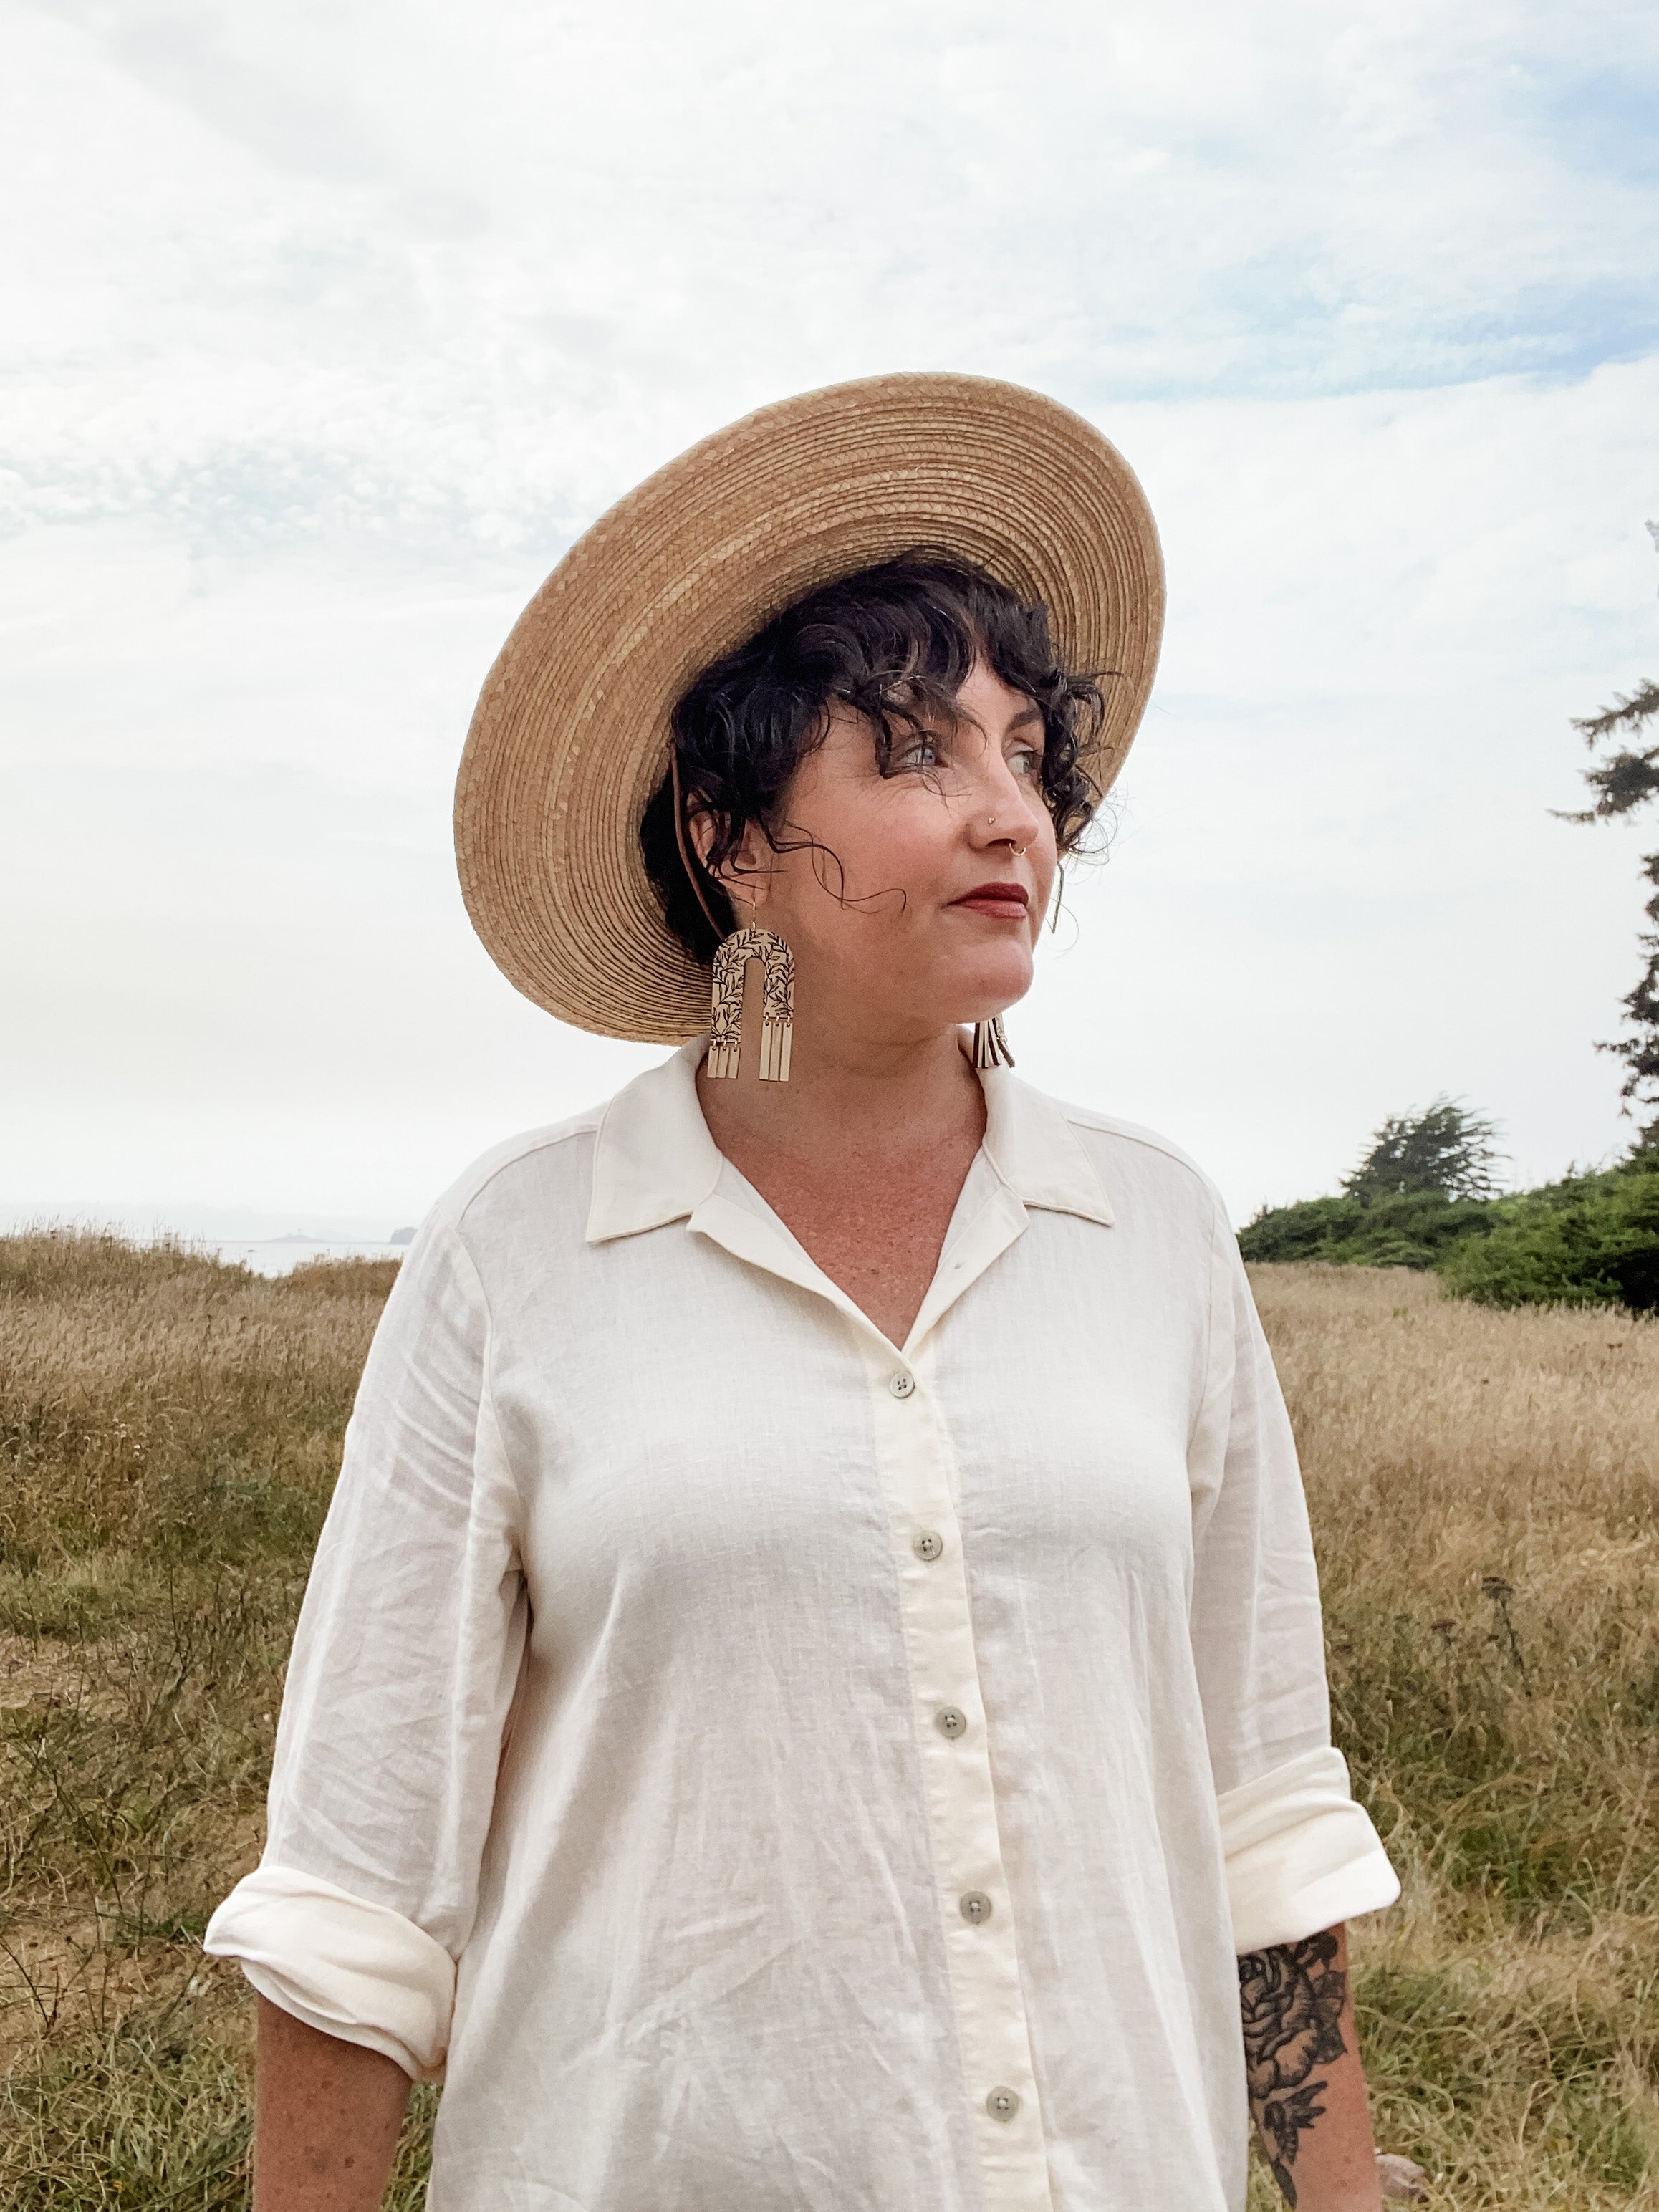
(1032,1143)
(654,1161)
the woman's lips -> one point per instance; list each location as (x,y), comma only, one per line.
(1003,902)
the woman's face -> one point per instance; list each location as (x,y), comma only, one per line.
(946,864)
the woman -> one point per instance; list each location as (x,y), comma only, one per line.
(810,1694)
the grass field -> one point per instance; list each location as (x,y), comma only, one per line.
(1483,1486)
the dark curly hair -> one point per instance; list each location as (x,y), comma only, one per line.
(894,643)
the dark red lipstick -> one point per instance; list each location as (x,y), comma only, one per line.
(1002,902)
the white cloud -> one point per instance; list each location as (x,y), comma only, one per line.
(332,325)
(410,270)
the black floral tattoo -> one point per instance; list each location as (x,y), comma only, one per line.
(1292,1998)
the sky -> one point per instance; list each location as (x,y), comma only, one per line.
(327,328)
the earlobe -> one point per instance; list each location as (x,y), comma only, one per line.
(743,876)
(741,890)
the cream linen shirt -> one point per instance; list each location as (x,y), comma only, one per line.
(765,1770)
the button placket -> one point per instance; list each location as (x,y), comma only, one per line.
(916,1468)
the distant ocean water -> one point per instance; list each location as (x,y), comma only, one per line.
(280,1255)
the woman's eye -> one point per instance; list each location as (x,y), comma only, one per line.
(922,752)
(1027,762)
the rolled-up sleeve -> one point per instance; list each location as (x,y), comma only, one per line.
(1301,1854)
(404,1664)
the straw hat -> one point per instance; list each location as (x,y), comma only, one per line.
(571,734)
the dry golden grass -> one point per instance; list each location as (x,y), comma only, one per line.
(1483,1488)
(170,1431)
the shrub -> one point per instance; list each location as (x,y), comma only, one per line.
(1410,1229)
(1591,1242)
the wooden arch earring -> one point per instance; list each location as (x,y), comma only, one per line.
(777,1003)
(731,958)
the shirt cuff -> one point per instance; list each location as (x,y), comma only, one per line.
(342,1965)
(1301,1855)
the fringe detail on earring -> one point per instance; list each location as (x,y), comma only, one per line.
(990,1045)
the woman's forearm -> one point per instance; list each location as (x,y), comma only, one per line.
(329,2114)
(1307,2089)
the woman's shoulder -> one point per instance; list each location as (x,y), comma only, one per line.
(524,1174)
(1132,1160)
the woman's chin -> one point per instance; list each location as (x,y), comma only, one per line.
(991,991)
(919,1000)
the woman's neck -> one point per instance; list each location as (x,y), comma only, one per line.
(851,1100)
(862,1154)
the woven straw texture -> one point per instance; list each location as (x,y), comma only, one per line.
(571,733)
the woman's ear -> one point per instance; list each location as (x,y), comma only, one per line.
(700,828)
(744,872)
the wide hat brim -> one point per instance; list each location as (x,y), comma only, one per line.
(571,733)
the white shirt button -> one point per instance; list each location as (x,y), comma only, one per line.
(951,1722)
(928,1545)
(1002,2104)
(902,1386)
(975,1907)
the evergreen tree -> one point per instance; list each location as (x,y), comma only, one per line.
(1623,781)
(1445,1150)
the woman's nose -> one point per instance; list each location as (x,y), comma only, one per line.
(1005,807)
